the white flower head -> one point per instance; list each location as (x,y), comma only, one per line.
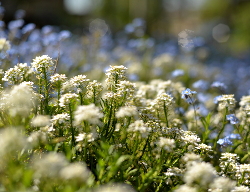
(40,121)
(89,113)
(166,144)
(200,173)
(127,111)
(41,63)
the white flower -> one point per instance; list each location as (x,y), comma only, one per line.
(58,78)
(50,165)
(12,142)
(127,111)
(41,63)
(89,113)
(141,127)
(186,188)
(21,100)
(222,183)
(75,172)
(67,98)
(17,74)
(200,173)
(226,101)
(60,118)
(241,189)
(166,143)
(115,188)
(40,121)
(4,44)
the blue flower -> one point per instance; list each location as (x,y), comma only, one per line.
(234,136)
(233,120)
(177,72)
(219,85)
(200,84)
(216,99)
(187,95)
(224,142)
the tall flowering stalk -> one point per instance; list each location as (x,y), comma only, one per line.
(43,65)
(226,103)
(67,101)
(56,81)
(162,102)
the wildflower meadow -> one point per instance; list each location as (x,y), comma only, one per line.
(96,114)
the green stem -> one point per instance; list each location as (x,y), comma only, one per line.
(222,129)
(165,113)
(71,127)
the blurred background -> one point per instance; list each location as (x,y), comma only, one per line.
(224,24)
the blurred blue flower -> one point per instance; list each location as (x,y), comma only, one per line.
(187,95)
(216,99)
(219,85)
(200,84)
(234,136)
(232,119)
(28,28)
(65,34)
(47,29)
(177,73)
(225,142)
(20,14)
(15,24)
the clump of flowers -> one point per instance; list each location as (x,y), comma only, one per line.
(89,113)
(226,101)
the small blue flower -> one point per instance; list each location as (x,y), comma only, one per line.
(216,99)
(224,142)
(219,85)
(233,120)
(187,95)
(201,84)
(177,73)
(28,28)
(234,136)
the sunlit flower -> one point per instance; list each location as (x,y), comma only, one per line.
(200,173)
(40,121)
(127,111)
(43,63)
(89,113)
(232,119)
(187,94)
(166,144)
(139,126)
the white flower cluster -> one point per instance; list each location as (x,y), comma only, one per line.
(161,102)
(245,104)
(167,144)
(76,84)
(60,118)
(43,64)
(21,100)
(17,74)
(127,111)
(67,99)
(4,44)
(58,78)
(89,113)
(139,126)
(94,88)
(89,137)
(115,74)
(226,101)
(125,89)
